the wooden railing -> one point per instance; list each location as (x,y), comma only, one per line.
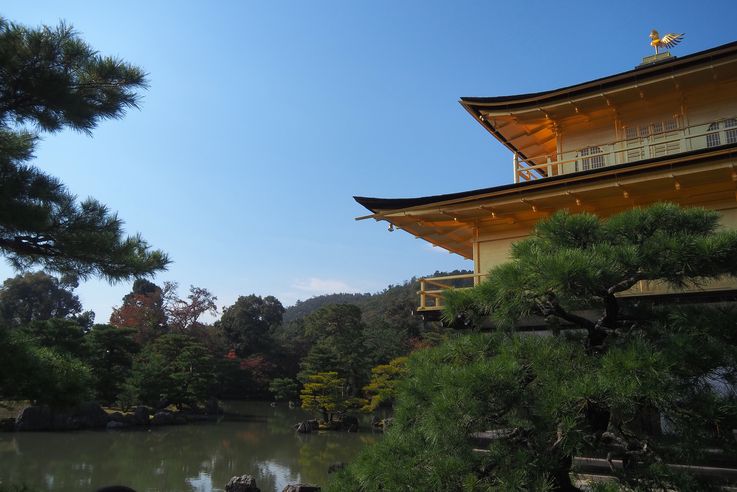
(637,148)
(432,288)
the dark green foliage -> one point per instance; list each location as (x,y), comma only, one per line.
(293,345)
(233,382)
(302,309)
(284,389)
(602,386)
(551,400)
(67,85)
(322,357)
(176,368)
(338,334)
(248,324)
(110,356)
(52,80)
(144,287)
(36,296)
(14,488)
(41,374)
(428,447)
(394,307)
(387,328)
(384,342)
(63,335)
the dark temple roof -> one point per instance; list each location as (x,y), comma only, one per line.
(600,85)
(684,158)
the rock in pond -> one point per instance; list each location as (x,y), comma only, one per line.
(141,415)
(162,418)
(34,418)
(307,426)
(123,418)
(244,483)
(89,415)
(115,425)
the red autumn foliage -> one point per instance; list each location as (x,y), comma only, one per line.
(143,313)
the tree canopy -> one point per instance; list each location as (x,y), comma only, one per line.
(52,80)
(111,351)
(381,391)
(338,334)
(176,368)
(36,296)
(142,310)
(326,392)
(248,324)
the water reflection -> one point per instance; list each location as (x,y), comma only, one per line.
(188,458)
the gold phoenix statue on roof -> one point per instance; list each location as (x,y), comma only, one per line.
(668,41)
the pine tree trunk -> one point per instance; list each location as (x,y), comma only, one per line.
(562,476)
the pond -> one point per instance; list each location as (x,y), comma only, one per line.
(191,458)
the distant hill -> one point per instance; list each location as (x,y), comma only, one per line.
(393,305)
(306,307)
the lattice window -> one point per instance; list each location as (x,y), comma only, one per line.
(730,130)
(592,158)
(722,132)
(713,139)
(651,129)
(660,135)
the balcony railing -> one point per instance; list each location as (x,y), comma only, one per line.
(645,143)
(432,288)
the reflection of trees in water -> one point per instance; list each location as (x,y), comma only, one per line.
(54,461)
(175,458)
(91,459)
(318,452)
(283,420)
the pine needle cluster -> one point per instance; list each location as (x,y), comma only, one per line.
(50,79)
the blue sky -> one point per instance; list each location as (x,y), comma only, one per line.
(264,118)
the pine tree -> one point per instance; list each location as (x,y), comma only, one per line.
(50,79)
(639,382)
(642,363)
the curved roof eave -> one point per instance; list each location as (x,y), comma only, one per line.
(638,74)
(375,205)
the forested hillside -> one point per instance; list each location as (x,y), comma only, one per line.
(306,307)
(393,305)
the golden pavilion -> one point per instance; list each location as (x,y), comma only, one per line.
(664,131)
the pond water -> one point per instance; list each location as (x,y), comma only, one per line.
(191,458)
